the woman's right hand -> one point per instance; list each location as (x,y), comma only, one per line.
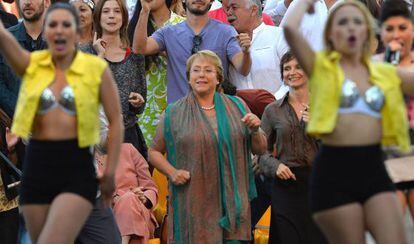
(180,177)
(284,172)
(99,45)
(145,4)
(11,140)
(395,45)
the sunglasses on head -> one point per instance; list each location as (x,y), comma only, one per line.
(196,44)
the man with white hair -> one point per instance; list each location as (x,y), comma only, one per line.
(267,47)
(220,13)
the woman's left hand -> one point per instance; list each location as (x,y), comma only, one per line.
(135,99)
(107,187)
(252,121)
(139,191)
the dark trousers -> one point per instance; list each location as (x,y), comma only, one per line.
(9,226)
(100,228)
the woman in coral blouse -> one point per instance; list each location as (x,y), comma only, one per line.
(135,193)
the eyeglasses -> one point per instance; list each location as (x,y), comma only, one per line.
(196,44)
(208,71)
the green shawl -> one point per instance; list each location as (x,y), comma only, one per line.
(214,205)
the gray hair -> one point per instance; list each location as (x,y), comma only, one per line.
(258,3)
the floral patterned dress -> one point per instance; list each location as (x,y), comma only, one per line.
(156,77)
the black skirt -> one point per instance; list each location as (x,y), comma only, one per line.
(291,220)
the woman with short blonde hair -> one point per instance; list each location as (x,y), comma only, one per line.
(209,138)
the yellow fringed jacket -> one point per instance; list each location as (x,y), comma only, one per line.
(84,76)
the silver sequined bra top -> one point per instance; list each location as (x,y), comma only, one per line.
(352,102)
(66,102)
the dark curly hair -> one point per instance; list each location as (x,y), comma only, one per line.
(288,56)
(393,8)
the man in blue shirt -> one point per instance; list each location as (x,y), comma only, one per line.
(180,41)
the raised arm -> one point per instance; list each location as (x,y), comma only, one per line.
(142,44)
(242,60)
(299,46)
(111,105)
(16,56)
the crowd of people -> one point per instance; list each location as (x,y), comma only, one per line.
(304,106)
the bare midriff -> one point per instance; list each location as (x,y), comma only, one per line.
(55,125)
(354,130)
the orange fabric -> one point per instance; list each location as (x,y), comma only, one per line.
(261,231)
(154,241)
(162,184)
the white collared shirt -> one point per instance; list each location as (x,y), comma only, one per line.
(312,25)
(275,9)
(267,48)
